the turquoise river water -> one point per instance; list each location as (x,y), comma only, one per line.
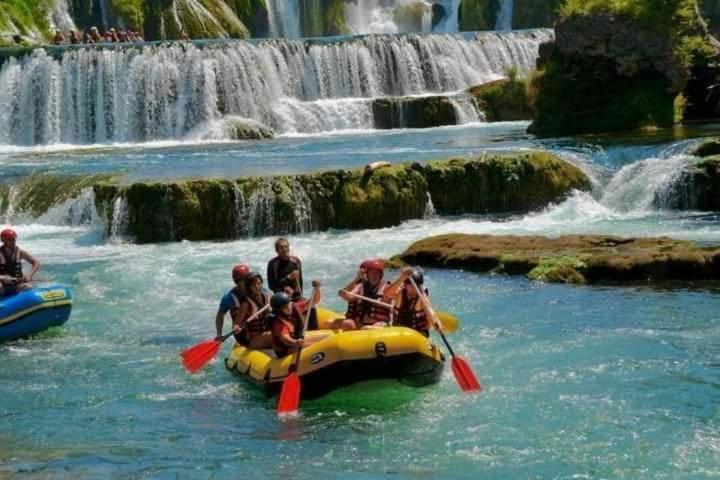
(609,382)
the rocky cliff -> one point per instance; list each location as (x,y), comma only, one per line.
(619,66)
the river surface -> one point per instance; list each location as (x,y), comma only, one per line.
(579,382)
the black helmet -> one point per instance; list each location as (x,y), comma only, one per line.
(417,277)
(279,300)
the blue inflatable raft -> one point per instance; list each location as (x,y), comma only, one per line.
(34,311)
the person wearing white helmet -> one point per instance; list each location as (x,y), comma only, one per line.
(12,278)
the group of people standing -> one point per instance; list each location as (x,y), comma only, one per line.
(275,319)
(93,35)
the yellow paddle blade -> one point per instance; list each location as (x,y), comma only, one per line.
(451,323)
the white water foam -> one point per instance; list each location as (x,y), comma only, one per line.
(134,95)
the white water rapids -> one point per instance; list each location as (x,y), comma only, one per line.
(89,96)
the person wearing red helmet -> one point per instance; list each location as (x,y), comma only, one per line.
(12,279)
(231,301)
(368,282)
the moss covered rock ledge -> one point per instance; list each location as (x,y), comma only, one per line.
(226,209)
(569,259)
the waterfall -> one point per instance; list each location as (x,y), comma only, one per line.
(119,221)
(449,23)
(505,15)
(430,211)
(466,109)
(645,185)
(284,18)
(323,115)
(74,211)
(241,212)
(60,18)
(132,94)
(302,209)
(261,210)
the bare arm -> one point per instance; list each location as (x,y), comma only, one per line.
(32,261)
(351,287)
(219,322)
(392,289)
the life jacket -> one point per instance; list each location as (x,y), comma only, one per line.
(276,274)
(238,297)
(366,313)
(294,324)
(11,264)
(410,313)
(258,325)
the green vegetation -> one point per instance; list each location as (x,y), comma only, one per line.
(535,13)
(28,17)
(478,14)
(503,100)
(623,65)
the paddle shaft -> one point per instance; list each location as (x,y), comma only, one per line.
(252,317)
(433,315)
(296,362)
(369,300)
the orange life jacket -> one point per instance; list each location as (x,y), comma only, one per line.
(258,325)
(366,313)
(410,313)
(294,325)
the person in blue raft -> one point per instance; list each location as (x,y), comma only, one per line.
(12,278)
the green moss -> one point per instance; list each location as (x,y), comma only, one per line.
(503,100)
(478,14)
(560,269)
(383,198)
(567,101)
(36,194)
(535,13)
(131,11)
(28,17)
(254,14)
(322,17)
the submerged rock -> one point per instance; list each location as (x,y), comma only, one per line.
(225,209)
(569,259)
(414,112)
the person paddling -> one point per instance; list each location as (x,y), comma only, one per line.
(231,301)
(12,279)
(368,282)
(410,311)
(253,334)
(287,324)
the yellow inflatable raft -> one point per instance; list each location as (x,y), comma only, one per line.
(344,358)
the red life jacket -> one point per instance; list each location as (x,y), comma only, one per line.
(366,313)
(258,325)
(411,314)
(294,325)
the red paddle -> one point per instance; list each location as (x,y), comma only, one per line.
(461,369)
(291,388)
(197,356)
